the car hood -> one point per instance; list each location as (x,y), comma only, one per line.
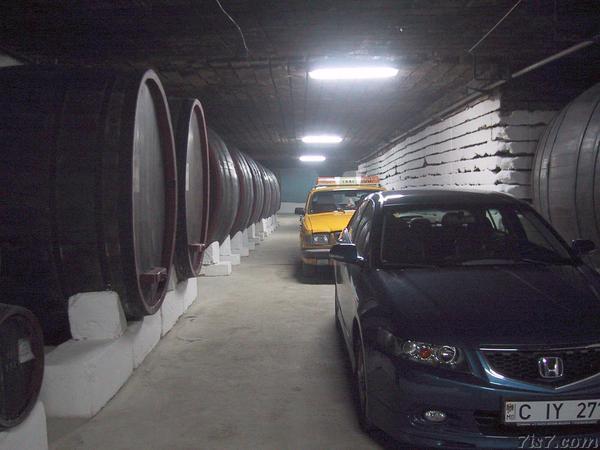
(328,222)
(478,306)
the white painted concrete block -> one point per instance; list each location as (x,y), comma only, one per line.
(191,293)
(238,244)
(248,243)
(172,279)
(252,231)
(82,376)
(234,259)
(216,270)
(144,336)
(172,308)
(211,254)
(263,227)
(29,435)
(96,315)
(225,247)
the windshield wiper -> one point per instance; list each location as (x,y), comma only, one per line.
(517,260)
(411,266)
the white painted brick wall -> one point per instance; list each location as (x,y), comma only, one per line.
(479,147)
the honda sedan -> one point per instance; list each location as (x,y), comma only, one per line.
(468,320)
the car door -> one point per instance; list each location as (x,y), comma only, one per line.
(340,268)
(351,272)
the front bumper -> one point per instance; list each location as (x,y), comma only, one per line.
(316,256)
(399,394)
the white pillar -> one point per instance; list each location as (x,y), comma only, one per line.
(237,244)
(261,230)
(212,266)
(212,254)
(227,254)
(248,242)
(253,235)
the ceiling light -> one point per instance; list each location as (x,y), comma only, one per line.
(312,158)
(322,139)
(353,73)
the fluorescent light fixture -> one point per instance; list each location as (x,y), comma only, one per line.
(322,139)
(353,73)
(312,158)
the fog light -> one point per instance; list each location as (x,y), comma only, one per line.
(435,416)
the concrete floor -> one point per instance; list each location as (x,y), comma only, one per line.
(255,363)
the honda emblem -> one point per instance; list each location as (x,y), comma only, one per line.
(550,367)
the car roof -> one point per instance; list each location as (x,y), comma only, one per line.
(346,187)
(437,196)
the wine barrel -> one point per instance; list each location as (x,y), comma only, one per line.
(259,192)
(21,364)
(89,187)
(246,194)
(276,200)
(268,192)
(193,185)
(224,190)
(566,170)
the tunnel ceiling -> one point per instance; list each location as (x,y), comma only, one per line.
(261,99)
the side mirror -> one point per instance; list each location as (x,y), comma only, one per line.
(299,211)
(345,253)
(582,246)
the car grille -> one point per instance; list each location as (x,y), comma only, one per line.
(490,424)
(578,364)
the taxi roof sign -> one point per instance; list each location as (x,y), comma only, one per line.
(336,181)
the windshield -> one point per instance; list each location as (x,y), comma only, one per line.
(328,201)
(467,236)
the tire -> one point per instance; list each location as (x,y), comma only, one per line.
(360,388)
(338,326)
(308,271)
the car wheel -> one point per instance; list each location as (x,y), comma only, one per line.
(336,307)
(360,386)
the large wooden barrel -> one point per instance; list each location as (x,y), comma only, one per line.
(259,192)
(224,190)
(246,196)
(268,192)
(193,185)
(89,190)
(21,364)
(276,193)
(566,171)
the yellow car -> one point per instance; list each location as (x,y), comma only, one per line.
(329,207)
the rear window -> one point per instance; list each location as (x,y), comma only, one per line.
(341,200)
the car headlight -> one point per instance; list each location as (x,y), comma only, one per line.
(446,356)
(320,238)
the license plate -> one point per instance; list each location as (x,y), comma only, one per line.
(552,413)
(322,262)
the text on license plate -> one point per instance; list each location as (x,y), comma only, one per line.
(555,412)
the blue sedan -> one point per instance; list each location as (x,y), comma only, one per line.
(469,322)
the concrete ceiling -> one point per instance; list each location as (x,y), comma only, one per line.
(260,97)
